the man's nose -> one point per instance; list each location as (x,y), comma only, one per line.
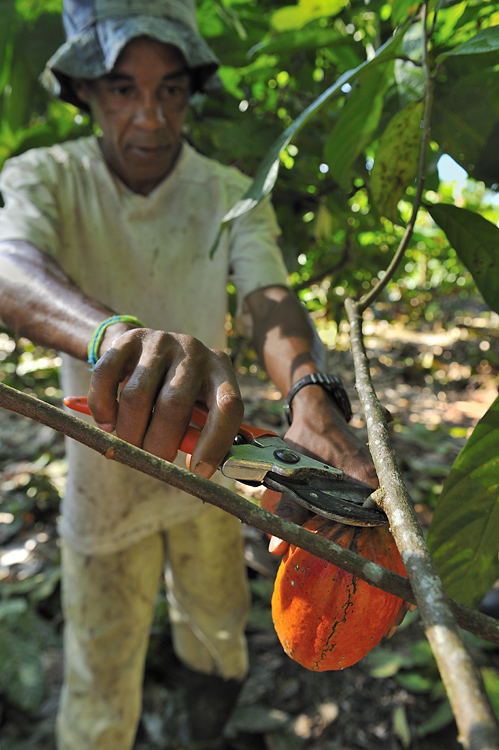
(149,112)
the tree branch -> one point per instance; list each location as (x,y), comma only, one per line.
(118,450)
(474,716)
(369,298)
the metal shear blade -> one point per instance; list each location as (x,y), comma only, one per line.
(342,503)
(321,488)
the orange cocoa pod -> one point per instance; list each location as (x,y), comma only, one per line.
(325,617)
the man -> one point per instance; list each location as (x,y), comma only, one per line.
(98,231)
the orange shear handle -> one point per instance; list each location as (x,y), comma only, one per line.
(198,421)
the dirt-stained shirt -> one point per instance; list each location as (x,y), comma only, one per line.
(147,256)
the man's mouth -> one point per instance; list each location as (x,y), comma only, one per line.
(148,149)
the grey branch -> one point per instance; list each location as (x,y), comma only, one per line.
(474,716)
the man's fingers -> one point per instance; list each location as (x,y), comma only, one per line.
(285,507)
(404,609)
(290,510)
(169,420)
(111,370)
(165,375)
(277,546)
(225,415)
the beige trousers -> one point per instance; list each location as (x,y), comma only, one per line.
(109,604)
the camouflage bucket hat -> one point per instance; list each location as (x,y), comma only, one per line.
(98,30)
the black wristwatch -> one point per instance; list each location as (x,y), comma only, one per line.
(331,383)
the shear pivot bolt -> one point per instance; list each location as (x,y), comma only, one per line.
(286,456)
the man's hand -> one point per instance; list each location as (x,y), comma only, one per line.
(319,430)
(161,376)
(288,346)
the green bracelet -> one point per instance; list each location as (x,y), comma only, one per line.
(95,341)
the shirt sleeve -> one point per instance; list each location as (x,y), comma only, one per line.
(31,212)
(256,259)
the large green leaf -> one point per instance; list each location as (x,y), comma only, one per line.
(476,241)
(359,120)
(268,170)
(463,534)
(487,40)
(396,160)
(465,118)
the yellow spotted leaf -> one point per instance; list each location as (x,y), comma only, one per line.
(396,160)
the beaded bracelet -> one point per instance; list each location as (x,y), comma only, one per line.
(95,341)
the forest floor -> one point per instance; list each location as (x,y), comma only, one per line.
(437,383)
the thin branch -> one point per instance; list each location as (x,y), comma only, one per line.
(406,58)
(474,716)
(329,271)
(374,293)
(115,449)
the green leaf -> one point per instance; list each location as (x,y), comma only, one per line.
(358,121)
(21,673)
(441,718)
(419,654)
(30,10)
(465,117)
(268,170)
(401,726)
(296,16)
(487,40)
(403,8)
(300,39)
(463,533)
(258,719)
(10,607)
(415,682)
(491,683)
(383,662)
(448,19)
(476,241)
(396,159)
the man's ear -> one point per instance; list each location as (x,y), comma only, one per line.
(81,88)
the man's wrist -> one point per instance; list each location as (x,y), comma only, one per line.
(113,332)
(330,384)
(102,332)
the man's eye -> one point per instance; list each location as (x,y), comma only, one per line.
(173,91)
(121,90)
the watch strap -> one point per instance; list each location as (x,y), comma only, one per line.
(331,383)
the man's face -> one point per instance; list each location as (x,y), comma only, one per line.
(141,109)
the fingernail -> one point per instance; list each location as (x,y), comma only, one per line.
(277,546)
(203,469)
(412,607)
(390,631)
(106,426)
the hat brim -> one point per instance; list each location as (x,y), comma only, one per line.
(93,53)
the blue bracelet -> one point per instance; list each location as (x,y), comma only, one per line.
(95,341)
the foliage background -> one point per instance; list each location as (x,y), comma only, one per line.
(343,195)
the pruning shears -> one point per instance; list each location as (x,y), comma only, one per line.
(261,457)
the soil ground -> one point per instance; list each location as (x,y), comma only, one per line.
(437,384)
